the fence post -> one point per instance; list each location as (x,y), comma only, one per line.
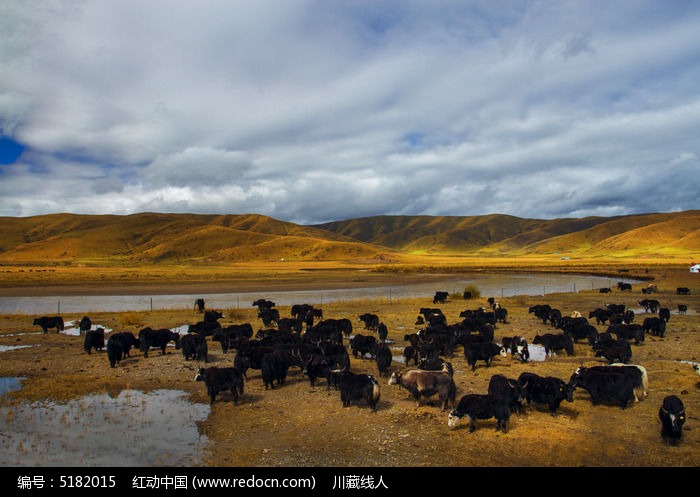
(151,304)
(59,307)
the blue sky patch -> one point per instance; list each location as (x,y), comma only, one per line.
(10,150)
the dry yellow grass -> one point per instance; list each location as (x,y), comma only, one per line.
(14,276)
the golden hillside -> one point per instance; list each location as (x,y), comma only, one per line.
(634,235)
(193,238)
(167,238)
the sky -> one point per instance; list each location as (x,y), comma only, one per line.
(312,111)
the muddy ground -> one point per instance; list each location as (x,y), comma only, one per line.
(296,425)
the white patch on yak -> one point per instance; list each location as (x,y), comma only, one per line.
(453,420)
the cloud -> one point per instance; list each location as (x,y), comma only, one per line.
(682,159)
(312,111)
(197,167)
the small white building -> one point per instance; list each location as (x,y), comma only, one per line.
(695,268)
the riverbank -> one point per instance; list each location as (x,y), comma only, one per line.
(25,280)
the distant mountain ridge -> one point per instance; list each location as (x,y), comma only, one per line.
(192,238)
(508,235)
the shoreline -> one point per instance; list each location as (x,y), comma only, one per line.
(215,287)
(128,282)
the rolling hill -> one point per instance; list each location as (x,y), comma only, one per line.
(193,238)
(644,234)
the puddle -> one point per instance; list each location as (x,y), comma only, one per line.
(133,429)
(6,348)
(640,313)
(9,384)
(537,353)
(74,330)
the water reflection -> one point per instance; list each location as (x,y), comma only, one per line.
(131,429)
(489,285)
(9,384)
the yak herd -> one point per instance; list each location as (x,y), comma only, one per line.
(321,347)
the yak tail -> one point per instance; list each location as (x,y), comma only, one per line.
(375,388)
(639,390)
(375,392)
(645,380)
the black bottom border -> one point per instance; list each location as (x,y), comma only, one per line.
(308,481)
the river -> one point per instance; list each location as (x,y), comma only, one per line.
(489,285)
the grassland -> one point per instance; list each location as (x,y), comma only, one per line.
(299,425)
